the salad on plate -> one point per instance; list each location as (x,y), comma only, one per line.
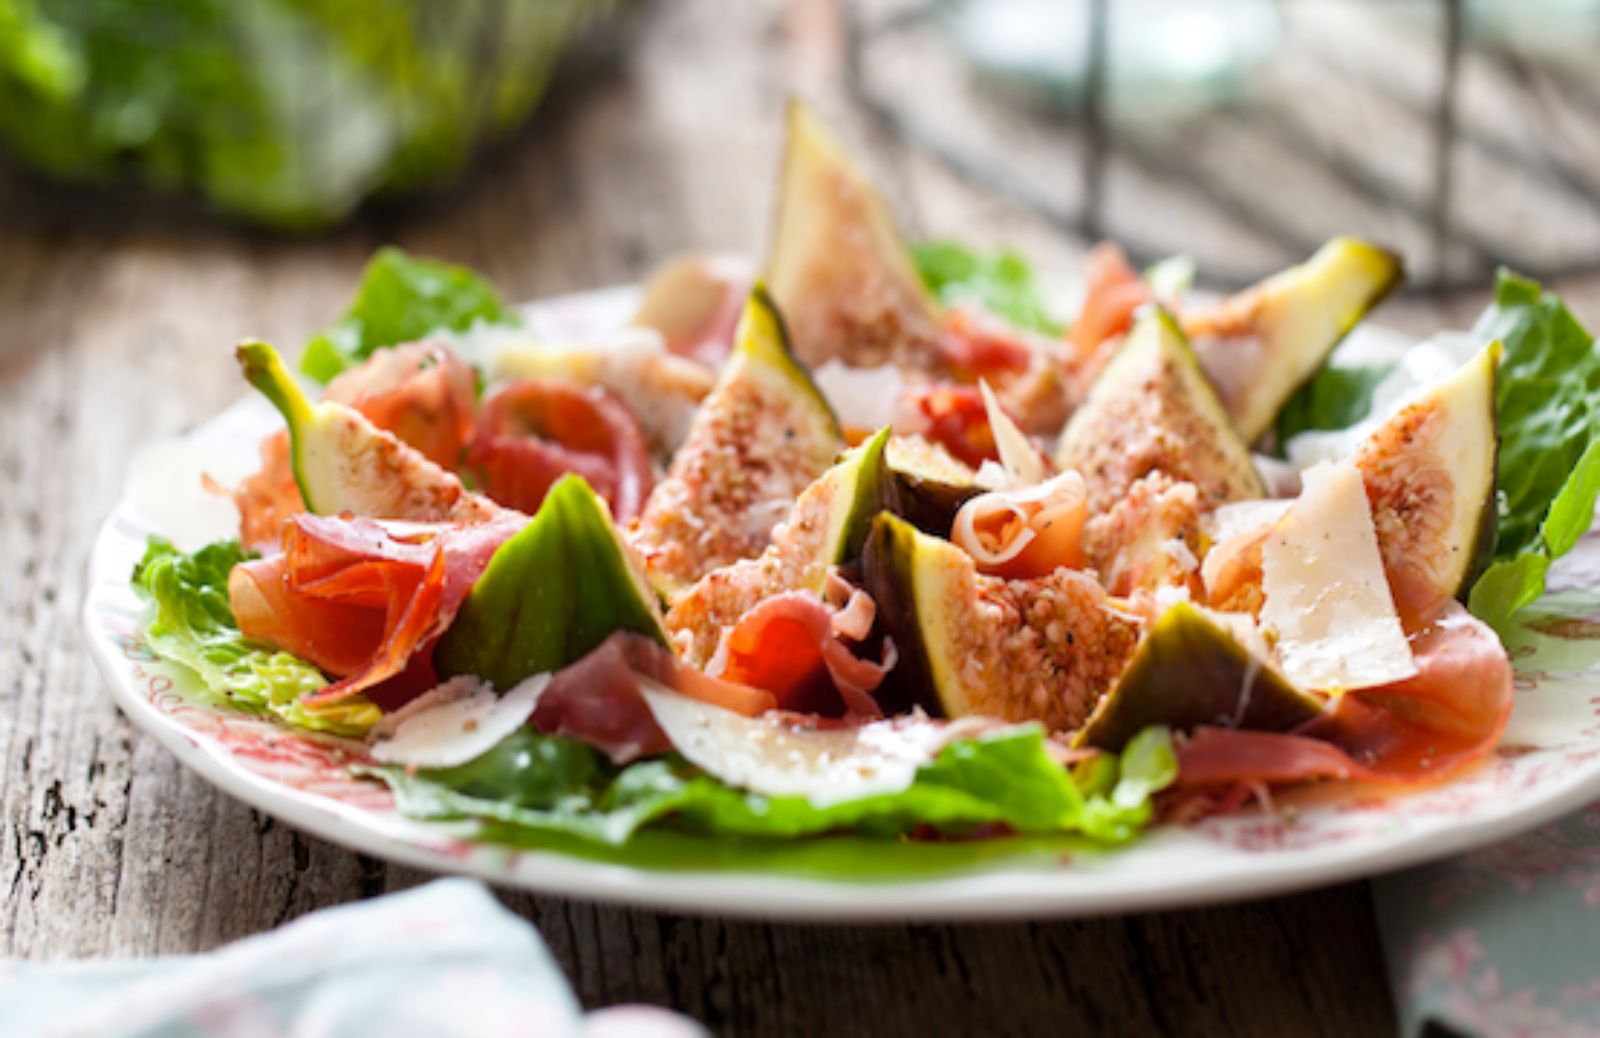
(875,544)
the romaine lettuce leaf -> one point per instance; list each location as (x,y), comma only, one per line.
(401,299)
(193,626)
(1548,406)
(532,787)
(1336,397)
(1001,283)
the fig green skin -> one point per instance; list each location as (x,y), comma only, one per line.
(1488,534)
(870,494)
(1189,671)
(888,563)
(1483,545)
(886,482)
(924,499)
(1379,290)
(264,369)
(771,345)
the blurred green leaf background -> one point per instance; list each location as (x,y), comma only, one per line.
(287,113)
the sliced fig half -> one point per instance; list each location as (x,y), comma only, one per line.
(838,266)
(928,482)
(1152,410)
(1043,650)
(344,463)
(827,527)
(760,438)
(1261,345)
(1429,471)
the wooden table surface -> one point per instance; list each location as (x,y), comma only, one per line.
(117,330)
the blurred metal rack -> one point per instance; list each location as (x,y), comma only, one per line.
(1393,119)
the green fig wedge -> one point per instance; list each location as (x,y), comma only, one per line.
(971,644)
(1152,410)
(838,266)
(1429,471)
(761,437)
(929,484)
(344,463)
(1261,345)
(1189,671)
(827,527)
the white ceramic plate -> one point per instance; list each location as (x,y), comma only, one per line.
(1548,763)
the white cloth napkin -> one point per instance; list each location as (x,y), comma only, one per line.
(443,960)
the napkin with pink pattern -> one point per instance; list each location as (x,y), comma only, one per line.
(1503,942)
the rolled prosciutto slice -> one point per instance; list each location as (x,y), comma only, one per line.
(364,599)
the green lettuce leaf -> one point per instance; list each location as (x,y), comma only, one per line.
(401,299)
(1001,283)
(531,789)
(1548,406)
(1171,278)
(233,101)
(1336,397)
(192,625)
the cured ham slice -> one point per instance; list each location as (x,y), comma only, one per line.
(421,392)
(362,598)
(951,415)
(598,698)
(790,645)
(694,302)
(1028,532)
(1114,291)
(267,498)
(534,431)
(977,346)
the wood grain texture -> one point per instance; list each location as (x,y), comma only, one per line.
(118,330)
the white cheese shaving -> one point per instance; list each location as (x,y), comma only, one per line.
(773,758)
(991,475)
(1178,551)
(862,398)
(466,722)
(1281,479)
(1018,455)
(1327,599)
(1237,517)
